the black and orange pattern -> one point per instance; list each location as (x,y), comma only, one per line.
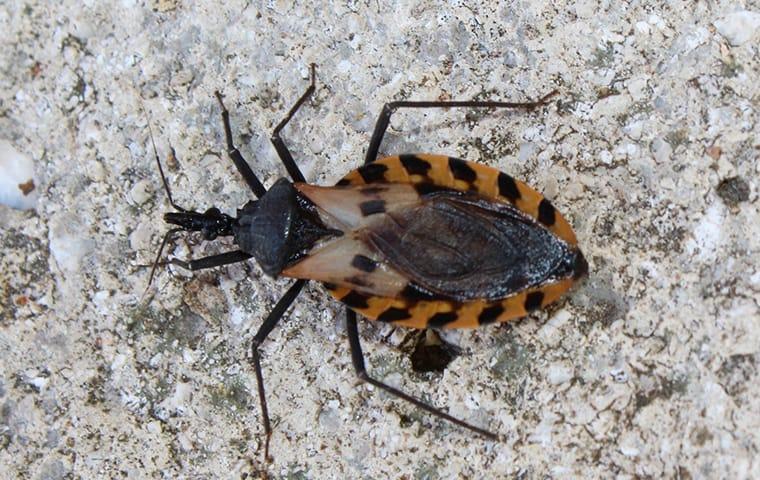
(428,173)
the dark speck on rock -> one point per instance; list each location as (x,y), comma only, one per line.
(733,191)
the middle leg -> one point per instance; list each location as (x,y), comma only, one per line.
(237,158)
(264,330)
(279,145)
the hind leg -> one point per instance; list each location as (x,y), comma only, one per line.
(390,108)
(358,360)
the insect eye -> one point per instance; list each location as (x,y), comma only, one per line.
(213,212)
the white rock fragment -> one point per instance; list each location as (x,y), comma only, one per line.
(68,243)
(668,183)
(634,129)
(118,362)
(542,434)
(155,360)
(154,427)
(96,171)
(177,403)
(184,442)
(630,150)
(637,88)
(656,21)
(707,236)
(188,356)
(38,382)
(140,192)
(642,28)
(550,332)
(630,444)
(526,152)
(738,27)
(559,373)
(585,9)
(717,404)
(619,375)
(140,237)
(102,301)
(17,187)
(472,401)
(661,150)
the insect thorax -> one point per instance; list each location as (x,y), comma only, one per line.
(279,228)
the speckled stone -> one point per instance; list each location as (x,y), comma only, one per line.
(648,369)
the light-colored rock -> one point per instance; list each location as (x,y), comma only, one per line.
(647,369)
(17,186)
(739,27)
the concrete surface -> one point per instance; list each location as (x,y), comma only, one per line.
(649,369)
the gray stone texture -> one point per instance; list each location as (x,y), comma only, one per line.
(648,369)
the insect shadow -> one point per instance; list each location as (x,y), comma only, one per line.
(416,240)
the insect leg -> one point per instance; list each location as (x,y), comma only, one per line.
(385,115)
(279,145)
(242,166)
(266,327)
(211,261)
(358,360)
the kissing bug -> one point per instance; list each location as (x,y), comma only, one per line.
(415,240)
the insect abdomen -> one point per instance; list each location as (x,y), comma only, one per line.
(441,242)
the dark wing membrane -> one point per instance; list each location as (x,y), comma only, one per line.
(463,247)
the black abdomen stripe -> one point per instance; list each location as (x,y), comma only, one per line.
(508,187)
(546,213)
(442,318)
(490,314)
(461,170)
(355,300)
(414,165)
(373,172)
(533,301)
(394,314)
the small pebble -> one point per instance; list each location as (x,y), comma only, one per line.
(733,191)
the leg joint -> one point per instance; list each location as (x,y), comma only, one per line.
(390,107)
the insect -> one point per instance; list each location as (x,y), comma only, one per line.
(415,240)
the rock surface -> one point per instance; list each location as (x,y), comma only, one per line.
(649,369)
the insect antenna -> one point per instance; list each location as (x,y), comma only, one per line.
(168,191)
(161,170)
(158,261)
